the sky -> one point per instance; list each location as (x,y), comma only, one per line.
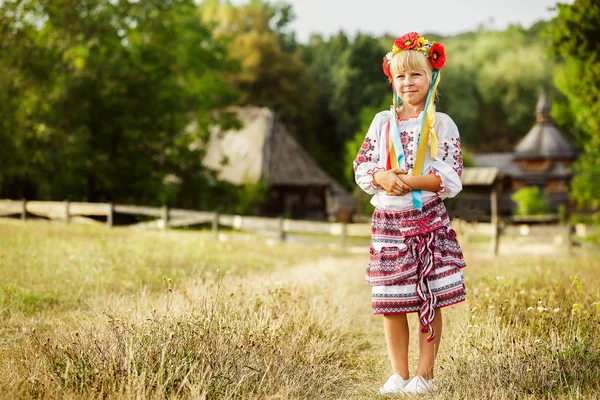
(397,17)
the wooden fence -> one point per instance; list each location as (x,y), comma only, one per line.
(174,218)
(164,218)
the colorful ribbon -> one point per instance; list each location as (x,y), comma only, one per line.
(396,152)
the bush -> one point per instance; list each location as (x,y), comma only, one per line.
(530,201)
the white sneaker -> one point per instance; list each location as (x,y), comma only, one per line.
(394,385)
(418,384)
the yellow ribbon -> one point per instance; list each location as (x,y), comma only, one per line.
(426,130)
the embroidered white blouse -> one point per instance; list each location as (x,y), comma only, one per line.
(372,156)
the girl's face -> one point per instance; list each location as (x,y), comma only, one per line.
(412,87)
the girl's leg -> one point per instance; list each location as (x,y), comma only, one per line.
(428,351)
(396,331)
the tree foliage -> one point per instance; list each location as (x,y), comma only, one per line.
(491,83)
(102,93)
(574,40)
(272,74)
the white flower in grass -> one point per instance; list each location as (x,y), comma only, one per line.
(542,309)
(529,308)
(556,310)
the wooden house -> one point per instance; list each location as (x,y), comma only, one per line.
(540,159)
(262,151)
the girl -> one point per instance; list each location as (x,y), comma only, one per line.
(409,161)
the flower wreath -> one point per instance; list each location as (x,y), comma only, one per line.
(412,41)
(437,57)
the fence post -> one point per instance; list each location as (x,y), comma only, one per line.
(344,234)
(215,225)
(67,211)
(494,220)
(110,212)
(281,231)
(165,217)
(570,229)
(24,210)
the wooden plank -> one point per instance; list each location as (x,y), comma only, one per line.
(138,210)
(181,213)
(80,208)
(8,207)
(6,213)
(226,220)
(50,209)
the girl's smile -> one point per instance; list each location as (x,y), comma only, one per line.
(412,87)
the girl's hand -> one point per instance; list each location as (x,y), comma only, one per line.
(390,181)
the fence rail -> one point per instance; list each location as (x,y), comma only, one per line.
(173,217)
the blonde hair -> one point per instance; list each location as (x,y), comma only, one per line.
(411,60)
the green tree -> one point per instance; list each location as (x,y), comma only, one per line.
(106,93)
(491,83)
(574,42)
(272,73)
(349,78)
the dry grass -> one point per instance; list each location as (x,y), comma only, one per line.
(86,314)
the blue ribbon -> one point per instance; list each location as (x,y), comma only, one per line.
(417,195)
(399,149)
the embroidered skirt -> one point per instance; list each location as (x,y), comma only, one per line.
(415,263)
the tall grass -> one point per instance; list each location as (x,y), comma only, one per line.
(180,316)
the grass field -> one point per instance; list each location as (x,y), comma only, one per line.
(88,312)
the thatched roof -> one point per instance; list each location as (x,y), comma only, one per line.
(262,150)
(238,155)
(290,164)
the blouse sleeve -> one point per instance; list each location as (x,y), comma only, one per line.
(366,162)
(448,165)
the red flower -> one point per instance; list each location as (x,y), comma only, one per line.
(386,68)
(407,41)
(361,159)
(437,56)
(365,146)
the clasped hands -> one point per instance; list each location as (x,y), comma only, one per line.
(394,181)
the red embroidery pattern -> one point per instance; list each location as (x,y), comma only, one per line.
(407,139)
(371,172)
(365,154)
(456,158)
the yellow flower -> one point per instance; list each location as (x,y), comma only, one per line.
(421,41)
(575,309)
